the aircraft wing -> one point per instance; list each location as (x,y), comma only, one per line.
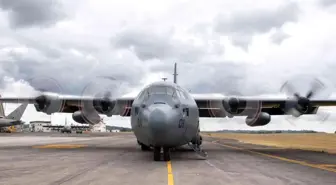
(54,103)
(209,105)
(220,106)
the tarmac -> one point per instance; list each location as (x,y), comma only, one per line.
(115,158)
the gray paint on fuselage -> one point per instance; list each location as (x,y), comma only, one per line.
(156,122)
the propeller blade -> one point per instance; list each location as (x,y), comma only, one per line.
(297,95)
(310,94)
(316,86)
(288,89)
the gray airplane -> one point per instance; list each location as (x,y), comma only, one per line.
(164,115)
(14,118)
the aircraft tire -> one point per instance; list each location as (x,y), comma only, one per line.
(157,153)
(166,154)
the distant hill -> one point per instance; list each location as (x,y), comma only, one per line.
(264,131)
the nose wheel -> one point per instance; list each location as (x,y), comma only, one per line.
(166,154)
(157,154)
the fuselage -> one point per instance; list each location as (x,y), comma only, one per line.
(9,122)
(164,114)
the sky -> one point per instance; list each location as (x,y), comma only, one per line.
(244,47)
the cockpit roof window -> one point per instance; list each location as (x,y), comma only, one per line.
(143,94)
(162,90)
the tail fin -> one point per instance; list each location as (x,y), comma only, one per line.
(2,110)
(18,112)
(175,73)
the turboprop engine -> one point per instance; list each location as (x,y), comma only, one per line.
(51,103)
(84,118)
(260,119)
(48,103)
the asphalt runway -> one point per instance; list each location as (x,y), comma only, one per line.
(51,159)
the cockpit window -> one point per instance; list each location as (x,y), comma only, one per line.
(143,94)
(182,94)
(162,90)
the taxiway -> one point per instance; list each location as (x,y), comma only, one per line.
(54,159)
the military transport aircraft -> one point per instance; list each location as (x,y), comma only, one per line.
(164,115)
(13,118)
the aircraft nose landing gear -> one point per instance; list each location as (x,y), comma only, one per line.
(157,153)
(166,154)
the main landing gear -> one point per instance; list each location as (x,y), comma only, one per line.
(157,153)
(196,146)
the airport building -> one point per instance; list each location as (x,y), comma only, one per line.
(99,128)
(38,126)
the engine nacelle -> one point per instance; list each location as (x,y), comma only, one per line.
(104,106)
(261,119)
(81,117)
(48,103)
(231,105)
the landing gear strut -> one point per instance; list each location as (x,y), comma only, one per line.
(196,146)
(166,154)
(157,154)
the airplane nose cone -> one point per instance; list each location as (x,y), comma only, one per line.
(158,120)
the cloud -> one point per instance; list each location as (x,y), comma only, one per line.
(151,45)
(32,13)
(279,36)
(138,43)
(243,25)
(327,3)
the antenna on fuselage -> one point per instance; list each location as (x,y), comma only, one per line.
(175,73)
(164,79)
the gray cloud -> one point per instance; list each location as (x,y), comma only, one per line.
(327,3)
(279,36)
(201,69)
(23,13)
(148,45)
(241,27)
(225,77)
(74,53)
(69,72)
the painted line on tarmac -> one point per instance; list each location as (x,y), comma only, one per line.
(170,173)
(303,163)
(61,146)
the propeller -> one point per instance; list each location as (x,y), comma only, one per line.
(232,104)
(301,104)
(105,90)
(47,90)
